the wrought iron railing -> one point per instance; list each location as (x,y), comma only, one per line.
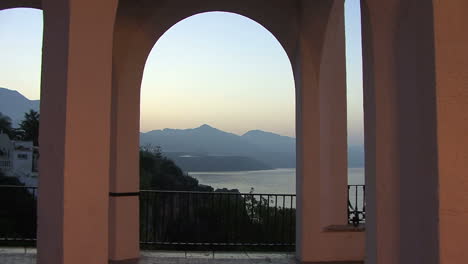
(183,218)
(5,164)
(229,219)
(18,214)
(356,204)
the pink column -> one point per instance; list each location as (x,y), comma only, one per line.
(415,60)
(75,131)
(333,122)
(321,132)
(451,45)
(132,44)
(379,23)
(124,207)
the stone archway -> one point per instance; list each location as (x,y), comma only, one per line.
(74,168)
(87,65)
(318,58)
(77,62)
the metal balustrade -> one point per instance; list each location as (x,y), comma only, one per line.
(18,215)
(181,219)
(217,218)
(356,204)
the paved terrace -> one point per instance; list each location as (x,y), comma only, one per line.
(28,256)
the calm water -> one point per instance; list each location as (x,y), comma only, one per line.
(266,181)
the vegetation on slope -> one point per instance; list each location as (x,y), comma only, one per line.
(160,173)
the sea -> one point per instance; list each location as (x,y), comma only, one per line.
(277,181)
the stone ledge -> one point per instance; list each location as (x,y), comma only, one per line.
(345,228)
(126,261)
(335,262)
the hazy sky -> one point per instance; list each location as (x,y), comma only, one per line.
(217,68)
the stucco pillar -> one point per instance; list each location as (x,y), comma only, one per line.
(405,126)
(125,177)
(451,44)
(75,131)
(333,122)
(321,186)
(379,25)
(132,44)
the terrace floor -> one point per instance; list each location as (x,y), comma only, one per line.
(28,256)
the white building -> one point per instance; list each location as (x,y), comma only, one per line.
(19,159)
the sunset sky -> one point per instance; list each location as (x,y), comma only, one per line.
(217,68)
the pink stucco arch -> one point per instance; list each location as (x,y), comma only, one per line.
(415,62)
(317,57)
(100,48)
(6,4)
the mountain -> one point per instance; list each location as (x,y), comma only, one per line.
(14,105)
(260,147)
(276,150)
(193,162)
(253,150)
(202,144)
(204,139)
(270,142)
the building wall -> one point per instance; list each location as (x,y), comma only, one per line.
(16,159)
(22,161)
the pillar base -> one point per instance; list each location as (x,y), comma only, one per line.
(345,228)
(125,261)
(335,262)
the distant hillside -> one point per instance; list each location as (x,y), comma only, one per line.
(276,150)
(270,142)
(194,163)
(204,139)
(266,148)
(255,149)
(14,105)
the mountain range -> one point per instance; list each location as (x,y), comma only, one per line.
(206,144)
(266,149)
(203,148)
(14,105)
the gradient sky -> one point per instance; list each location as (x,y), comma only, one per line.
(217,68)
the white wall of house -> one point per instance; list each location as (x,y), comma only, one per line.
(17,159)
(23,157)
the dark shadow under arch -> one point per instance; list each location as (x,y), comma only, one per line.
(7,4)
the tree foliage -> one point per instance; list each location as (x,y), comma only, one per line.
(5,125)
(209,216)
(29,127)
(160,173)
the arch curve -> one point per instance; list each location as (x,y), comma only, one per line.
(138,26)
(278,36)
(7,4)
(153,19)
